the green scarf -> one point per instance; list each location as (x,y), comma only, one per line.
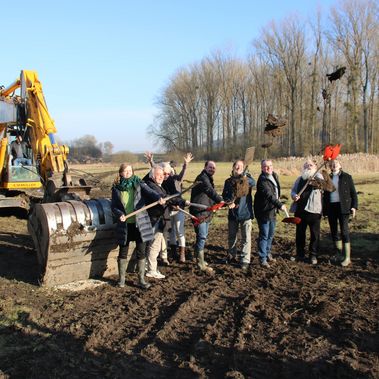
(126,184)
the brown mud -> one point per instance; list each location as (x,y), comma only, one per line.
(289,321)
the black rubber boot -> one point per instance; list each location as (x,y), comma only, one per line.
(338,256)
(141,275)
(174,252)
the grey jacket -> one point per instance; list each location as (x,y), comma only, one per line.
(314,202)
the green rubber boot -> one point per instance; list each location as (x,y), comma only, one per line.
(347,251)
(203,266)
(122,264)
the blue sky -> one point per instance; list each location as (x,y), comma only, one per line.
(103,64)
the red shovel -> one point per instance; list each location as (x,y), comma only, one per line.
(216,207)
(330,153)
(291,220)
(195,219)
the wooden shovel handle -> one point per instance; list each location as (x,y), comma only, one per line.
(157,202)
(312,177)
(286,212)
(150,205)
(187,213)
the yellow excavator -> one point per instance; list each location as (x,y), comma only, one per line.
(73,234)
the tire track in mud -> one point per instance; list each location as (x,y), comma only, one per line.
(141,316)
(203,329)
(184,327)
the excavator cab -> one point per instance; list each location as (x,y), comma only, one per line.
(19,179)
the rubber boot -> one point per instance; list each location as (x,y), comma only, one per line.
(347,250)
(202,264)
(122,264)
(174,252)
(131,261)
(182,254)
(141,274)
(338,257)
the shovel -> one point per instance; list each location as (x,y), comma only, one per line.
(291,220)
(196,205)
(249,157)
(151,205)
(330,153)
(157,202)
(196,220)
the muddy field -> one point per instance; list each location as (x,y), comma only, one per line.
(289,321)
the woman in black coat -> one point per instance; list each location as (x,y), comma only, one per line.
(338,206)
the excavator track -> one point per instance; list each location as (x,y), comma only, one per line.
(74,240)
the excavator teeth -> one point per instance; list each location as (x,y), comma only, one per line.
(74,240)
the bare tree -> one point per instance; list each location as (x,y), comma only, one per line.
(354,30)
(219,105)
(285,47)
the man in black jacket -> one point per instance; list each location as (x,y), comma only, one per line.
(338,206)
(19,152)
(266,205)
(204,193)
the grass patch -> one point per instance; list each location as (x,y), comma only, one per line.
(12,315)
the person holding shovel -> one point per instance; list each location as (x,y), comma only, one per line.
(174,230)
(266,205)
(338,207)
(203,193)
(172,184)
(156,214)
(130,193)
(237,192)
(307,193)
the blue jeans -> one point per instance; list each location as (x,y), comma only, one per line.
(22,161)
(201,231)
(266,235)
(245,226)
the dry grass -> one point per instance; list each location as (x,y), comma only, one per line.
(361,166)
(351,163)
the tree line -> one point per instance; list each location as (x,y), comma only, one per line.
(219,106)
(87,149)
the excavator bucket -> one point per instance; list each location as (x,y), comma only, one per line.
(74,240)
